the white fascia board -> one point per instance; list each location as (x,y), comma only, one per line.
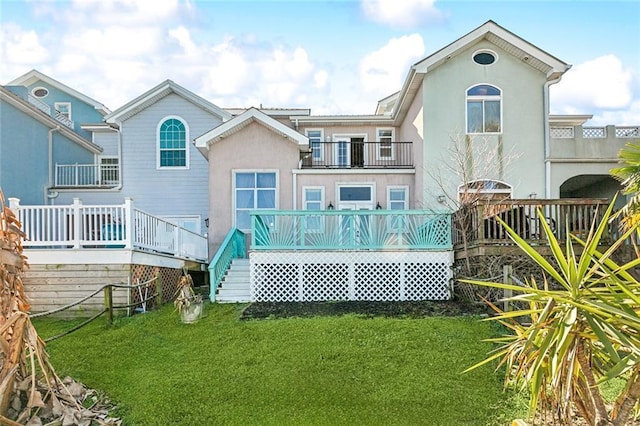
(47,120)
(161,90)
(202,142)
(556,65)
(34,75)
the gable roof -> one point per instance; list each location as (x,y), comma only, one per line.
(237,123)
(160,91)
(516,46)
(34,76)
(35,113)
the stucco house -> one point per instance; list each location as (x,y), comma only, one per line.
(356,207)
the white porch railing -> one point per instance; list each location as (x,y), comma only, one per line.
(39,104)
(81,226)
(83,175)
(47,110)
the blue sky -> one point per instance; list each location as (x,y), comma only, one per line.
(335,57)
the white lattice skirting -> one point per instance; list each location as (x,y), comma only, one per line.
(281,276)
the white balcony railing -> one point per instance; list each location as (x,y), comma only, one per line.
(84,175)
(79,226)
(39,104)
(64,119)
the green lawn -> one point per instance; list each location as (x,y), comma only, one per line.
(347,370)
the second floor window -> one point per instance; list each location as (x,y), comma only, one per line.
(484,111)
(315,142)
(385,144)
(172,144)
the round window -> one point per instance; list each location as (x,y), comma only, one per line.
(40,92)
(484,58)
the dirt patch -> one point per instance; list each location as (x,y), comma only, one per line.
(418,309)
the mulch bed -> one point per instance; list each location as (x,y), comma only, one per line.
(417,309)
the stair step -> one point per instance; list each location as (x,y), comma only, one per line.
(234,300)
(235,286)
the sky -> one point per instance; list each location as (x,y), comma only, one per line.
(335,57)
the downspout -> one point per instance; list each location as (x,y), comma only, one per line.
(51,194)
(295,189)
(547,137)
(119,186)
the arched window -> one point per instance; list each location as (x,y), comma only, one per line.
(484,109)
(172,143)
(484,189)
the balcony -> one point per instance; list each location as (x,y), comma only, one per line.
(477,231)
(358,155)
(590,143)
(87,175)
(80,226)
(62,118)
(354,230)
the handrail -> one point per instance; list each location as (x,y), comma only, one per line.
(350,230)
(233,247)
(109,307)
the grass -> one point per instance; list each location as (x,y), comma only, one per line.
(298,371)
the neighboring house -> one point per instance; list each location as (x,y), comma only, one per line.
(33,143)
(159,167)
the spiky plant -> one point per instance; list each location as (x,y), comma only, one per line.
(571,339)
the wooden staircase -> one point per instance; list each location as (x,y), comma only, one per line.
(235,286)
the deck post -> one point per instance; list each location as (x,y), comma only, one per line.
(108,303)
(77,222)
(128,223)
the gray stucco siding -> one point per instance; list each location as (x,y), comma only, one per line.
(522,135)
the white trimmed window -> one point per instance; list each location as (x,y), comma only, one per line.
(173,150)
(63,109)
(384,139)
(313,199)
(109,170)
(190,223)
(316,136)
(484,109)
(397,199)
(253,190)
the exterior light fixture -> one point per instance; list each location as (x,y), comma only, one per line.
(206,222)
(441,199)
(378,206)
(330,206)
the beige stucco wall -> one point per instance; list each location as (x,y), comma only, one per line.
(253,148)
(368,132)
(331,181)
(522,124)
(563,171)
(412,129)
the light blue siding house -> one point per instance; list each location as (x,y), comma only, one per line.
(160,168)
(32,142)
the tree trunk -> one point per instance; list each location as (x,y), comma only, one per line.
(623,412)
(601,417)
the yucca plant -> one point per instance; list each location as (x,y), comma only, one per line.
(575,334)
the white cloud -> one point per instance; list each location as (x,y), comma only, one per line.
(382,72)
(602,83)
(21,47)
(402,13)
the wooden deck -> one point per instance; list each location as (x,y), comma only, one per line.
(478,232)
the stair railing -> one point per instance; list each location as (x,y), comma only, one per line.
(233,247)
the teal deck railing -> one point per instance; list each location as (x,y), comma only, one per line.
(350,230)
(233,247)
